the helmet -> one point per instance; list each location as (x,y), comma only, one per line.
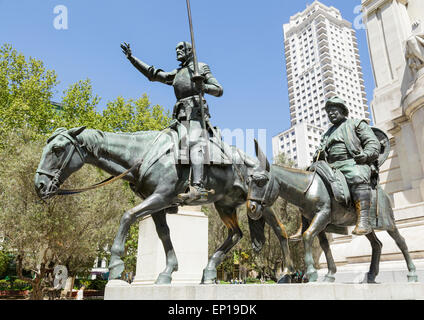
(336,101)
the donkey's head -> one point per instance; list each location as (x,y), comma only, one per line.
(62,156)
(260,193)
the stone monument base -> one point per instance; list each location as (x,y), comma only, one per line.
(189,236)
(390,271)
(120,290)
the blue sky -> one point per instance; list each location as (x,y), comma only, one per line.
(242,41)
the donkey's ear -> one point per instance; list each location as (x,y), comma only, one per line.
(76,131)
(263,161)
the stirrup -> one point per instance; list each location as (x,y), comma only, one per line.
(195,194)
(360,231)
(362,228)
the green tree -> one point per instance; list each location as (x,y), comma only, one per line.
(79,107)
(133,115)
(26,88)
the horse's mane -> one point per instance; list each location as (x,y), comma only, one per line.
(130,133)
(93,139)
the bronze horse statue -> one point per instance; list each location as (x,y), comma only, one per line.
(145,161)
(321,213)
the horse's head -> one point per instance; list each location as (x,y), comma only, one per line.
(61,156)
(260,181)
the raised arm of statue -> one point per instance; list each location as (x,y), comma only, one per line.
(150,72)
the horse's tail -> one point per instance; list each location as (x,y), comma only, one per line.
(257,233)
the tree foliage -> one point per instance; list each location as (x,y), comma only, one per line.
(26,88)
(4,263)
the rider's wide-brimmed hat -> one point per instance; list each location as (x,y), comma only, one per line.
(336,101)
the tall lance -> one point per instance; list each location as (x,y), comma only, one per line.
(198,79)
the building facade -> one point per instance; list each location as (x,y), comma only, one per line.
(298,143)
(322,60)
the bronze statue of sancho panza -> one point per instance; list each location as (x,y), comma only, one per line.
(187,109)
(351,146)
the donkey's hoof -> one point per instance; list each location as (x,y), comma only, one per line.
(163,278)
(209,276)
(310,277)
(285,279)
(116,269)
(329,278)
(413,278)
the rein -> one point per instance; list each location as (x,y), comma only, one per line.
(65,192)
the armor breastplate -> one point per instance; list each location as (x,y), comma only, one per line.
(183,85)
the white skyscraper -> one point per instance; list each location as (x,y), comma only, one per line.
(322,60)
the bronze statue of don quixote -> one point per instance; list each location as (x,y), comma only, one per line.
(166,175)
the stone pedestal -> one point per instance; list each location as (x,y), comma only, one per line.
(189,236)
(233,292)
(352,254)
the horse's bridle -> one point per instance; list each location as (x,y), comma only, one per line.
(265,200)
(55,181)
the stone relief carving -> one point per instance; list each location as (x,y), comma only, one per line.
(415,47)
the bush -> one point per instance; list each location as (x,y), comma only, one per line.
(19,284)
(84,282)
(4,285)
(96,284)
(252,280)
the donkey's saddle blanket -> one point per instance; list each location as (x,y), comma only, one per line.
(335,179)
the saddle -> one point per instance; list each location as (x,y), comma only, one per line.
(335,179)
(381,213)
(219,153)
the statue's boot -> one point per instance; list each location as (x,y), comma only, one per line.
(197,191)
(362,198)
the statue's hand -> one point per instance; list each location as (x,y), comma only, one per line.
(200,86)
(126,49)
(360,158)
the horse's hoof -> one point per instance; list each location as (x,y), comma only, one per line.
(329,278)
(412,278)
(116,269)
(209,276)
(285,279)
(369,278)
(163,278)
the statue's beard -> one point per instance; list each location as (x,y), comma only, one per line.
(185,58)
